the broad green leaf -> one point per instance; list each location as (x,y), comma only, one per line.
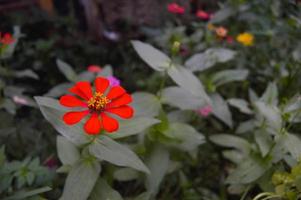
(145,104)
(107,149)
(270,96)
(67,70)
(221,109)
(264,142)
(222,15)
(157,163)
(25,194)
(209,58)
(189,139)
(270,113)
(233,155)
(293,146)
(133,126)
(58,90)
(106,71)
(230,75)
(143,196)
(152,56)
(53,112)
(184,116)
(247,171)
(125,174)
(232,141)
(27,73)
(81,180)
(187,80)
(103,191)
(67,151)
(85,76)
(240,104)
(181,98)
(246,126)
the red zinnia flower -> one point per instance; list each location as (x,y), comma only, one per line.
(99,105)
(6,39)
(175,8)
(203,15)
(94,68)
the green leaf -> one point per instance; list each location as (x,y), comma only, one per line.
(189,139)
(58,90)
(221,109)
(106,71)
(107,149)
(53,112)
(184,116)
(209,58)
(103,191)
(157,162)
(240,104)
(125,174)
(270,113)
(81,180)
(85,76)
(67,70)
(247,171)
(230,75)
(222,15)
(67,151)
(25,194)
(293,146)
(181,98)
(264,141)
(152,56)
(145,104)
(270,95)
(187,80)
(27,73)
(232,141)
(133,126)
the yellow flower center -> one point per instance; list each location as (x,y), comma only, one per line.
(98,102)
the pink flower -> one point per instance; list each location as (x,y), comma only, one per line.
(20,100)
(205,111)
(94,68)
(51,162)
(203,15)
(230,39)
(175,8)
(113,81)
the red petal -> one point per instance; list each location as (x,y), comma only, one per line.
(101,84)
(109,124)
(115,92)
(123,100)
(82,89)
(93,125)
(71,118)
(71,101)
(123,111)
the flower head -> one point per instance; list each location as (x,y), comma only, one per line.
(221,32)
(98,105)
(113,81)
(94,68)
(175,8)
(203,15)
(246,39)
(205,111)
(6,39)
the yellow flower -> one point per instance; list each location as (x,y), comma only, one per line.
(210,27)
(246,39)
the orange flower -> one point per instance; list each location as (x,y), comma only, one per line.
(175,8)
(221,32)
(99,105)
